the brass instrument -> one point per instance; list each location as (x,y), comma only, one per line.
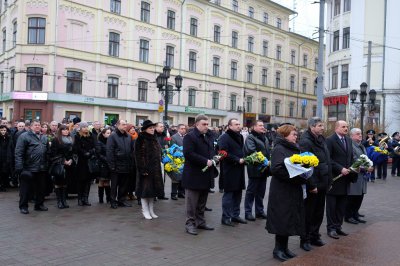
(383,143)
(397,150)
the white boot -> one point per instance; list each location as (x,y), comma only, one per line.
(145,208)
(151,208)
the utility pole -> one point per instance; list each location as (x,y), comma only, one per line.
(320,80)
(369,63)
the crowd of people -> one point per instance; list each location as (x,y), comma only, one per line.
(126,161)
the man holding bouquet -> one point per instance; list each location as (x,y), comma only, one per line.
(313,141)
(341,153)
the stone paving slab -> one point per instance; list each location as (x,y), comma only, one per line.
(99,235)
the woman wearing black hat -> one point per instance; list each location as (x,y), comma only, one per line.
(148,160)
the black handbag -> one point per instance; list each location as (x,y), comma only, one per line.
(57,170)
(94,166)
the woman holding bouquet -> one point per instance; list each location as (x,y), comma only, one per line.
(148,160)
(285,210)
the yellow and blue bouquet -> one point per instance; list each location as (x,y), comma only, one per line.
(257,158)
(301,164)
(173,159)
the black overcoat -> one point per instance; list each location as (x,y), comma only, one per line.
(84,147)
(6,153)
(148,161)
(322,174)
(340,159)
(120,150)
(233,174)
(197,149)
(285,212)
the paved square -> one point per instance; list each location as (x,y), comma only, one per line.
(99,235)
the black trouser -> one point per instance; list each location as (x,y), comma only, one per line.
(353,205)
(335,210)
(381,170)
(281,243)
(177,189)
(255,192)
(119,186)
(314,207)
(36,184)
(396,166)
(4,179)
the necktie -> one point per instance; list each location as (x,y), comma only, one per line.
(344,143)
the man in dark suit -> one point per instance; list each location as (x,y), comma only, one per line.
(198,149)
(341,153)
(233,174)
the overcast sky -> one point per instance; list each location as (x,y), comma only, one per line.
(307,21)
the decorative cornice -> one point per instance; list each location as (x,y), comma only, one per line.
(193,42)
(145,29)
(174,2)
(195,9)
(278,65)
(216,49)
(264,61)
(235,21)
(218,14)
(236,54)
(170,36)
(37,3)
(251,27)
(115,20)
(76,11)
(251,58)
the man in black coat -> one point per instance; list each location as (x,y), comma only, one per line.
(120,149)
(161,135)
(233,174)
(255,192)
(31,165)
(198,149)
(6,157)
(313,141)
(341,153)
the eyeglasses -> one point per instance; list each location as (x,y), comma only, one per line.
(204,124)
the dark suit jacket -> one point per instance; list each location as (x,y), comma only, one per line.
(340,159)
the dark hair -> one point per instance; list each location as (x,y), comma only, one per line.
(3,126)
(313,121)
(230,121)
(199,118)
(59,133)
(256,122)
(285,130)
(100,137)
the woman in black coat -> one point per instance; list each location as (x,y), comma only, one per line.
(149,183)
(6,157)
(101,153)
(285,212)
(84,147)
(60,153)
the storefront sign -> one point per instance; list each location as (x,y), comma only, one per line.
(194,110)
(35,96)
(88,100)
(336,100)
(250,115)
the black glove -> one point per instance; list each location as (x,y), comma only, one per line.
(18,172)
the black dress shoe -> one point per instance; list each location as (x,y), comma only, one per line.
(317,242)
(333,234)
(280,255)
(174,197)
(360,215)
(163,198)
(340,232)
(305,245)
(239,220)
(360,220)
(351,221)
(114,205)
(250,218)
(261,216)
(227,222)
(191,231)
(41,208)
(24,211)
(124,204)
(205,227)
(289,254)
(181,196)
(207,209)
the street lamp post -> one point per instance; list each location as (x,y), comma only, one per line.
(162,85)
(363,99)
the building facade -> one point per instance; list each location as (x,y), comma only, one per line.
(351,25)
(99,60)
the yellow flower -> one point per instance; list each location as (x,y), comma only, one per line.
(177,161)
(295,158)
(306,160)
(168,167)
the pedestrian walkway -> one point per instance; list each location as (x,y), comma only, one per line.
(99,235)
